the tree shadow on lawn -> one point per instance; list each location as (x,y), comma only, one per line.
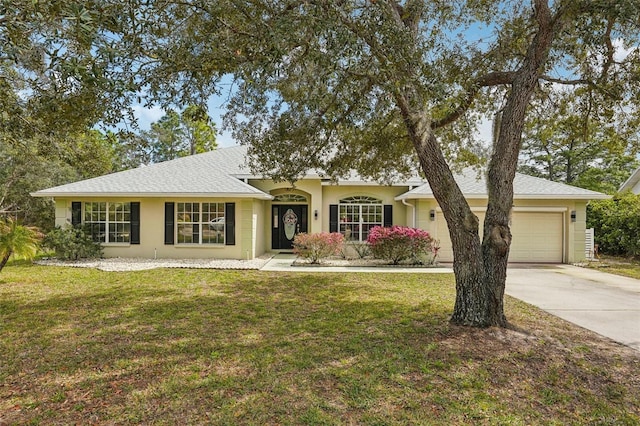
(238,347)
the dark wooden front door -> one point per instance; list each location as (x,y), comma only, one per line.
(286,222)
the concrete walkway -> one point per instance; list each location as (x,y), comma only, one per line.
(283,263)
(605,303)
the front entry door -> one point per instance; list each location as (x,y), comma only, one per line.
(286,222)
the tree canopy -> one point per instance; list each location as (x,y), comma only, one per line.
(580,136)
(180,134)
(384,87)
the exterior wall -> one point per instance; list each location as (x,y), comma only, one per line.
(577,232)
(321,196)
(63,213)
(574,232)
(260,223)
(152,230)
(253,219)
(334,193)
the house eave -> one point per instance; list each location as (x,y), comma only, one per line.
(631,181)
(259,196)
(515,197)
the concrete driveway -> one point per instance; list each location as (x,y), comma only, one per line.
(605,303)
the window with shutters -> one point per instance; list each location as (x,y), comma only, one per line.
(200,223)
(357,215)
(108,222)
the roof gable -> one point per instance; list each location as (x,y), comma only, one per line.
(473,184)
(210,173)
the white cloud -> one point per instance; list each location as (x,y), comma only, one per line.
(485,131)
(145,116)
(621,52)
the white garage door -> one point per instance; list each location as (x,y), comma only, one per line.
(537,237)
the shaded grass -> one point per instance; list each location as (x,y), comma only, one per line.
(617,265)
(82,346)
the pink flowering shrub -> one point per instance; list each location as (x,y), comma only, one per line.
(400,243)
(315,247)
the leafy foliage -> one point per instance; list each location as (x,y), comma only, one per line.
(362,249)
(399,243)
(17,240)
(178,135)
(576,137)
(30,162)
(315,247)
(616,224)
(72,244)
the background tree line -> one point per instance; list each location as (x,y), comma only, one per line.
(32,159)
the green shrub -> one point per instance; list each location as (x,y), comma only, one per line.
(362,249)
(616,224)
(400,243)
(72,244)
(315,247)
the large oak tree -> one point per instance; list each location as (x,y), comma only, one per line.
(380,86)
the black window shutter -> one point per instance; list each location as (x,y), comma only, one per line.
(333,218)
(76,213)
(135,223)
(169,214)
(230,224)
(387,216)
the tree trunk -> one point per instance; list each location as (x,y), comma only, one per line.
(504,160)
(481,268)
(472,297)
(5,259)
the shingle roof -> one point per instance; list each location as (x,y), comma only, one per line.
(473,185)
(216,173)
(211,173)
(220,173)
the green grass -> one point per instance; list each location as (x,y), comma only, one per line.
(80,346)
(617,265)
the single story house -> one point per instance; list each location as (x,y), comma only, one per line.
(210,206)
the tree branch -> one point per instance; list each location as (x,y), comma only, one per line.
(491,79)
(610,50)
(575,82)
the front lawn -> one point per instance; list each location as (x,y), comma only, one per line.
(81,346)
(617,265)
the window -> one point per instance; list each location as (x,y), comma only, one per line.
(357,215)
(119,222)
(108,222)
(289,198)
(200,223)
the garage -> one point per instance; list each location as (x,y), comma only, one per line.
(537,237)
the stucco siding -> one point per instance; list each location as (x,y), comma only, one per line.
(332,194)
(570,238)
(152,230)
